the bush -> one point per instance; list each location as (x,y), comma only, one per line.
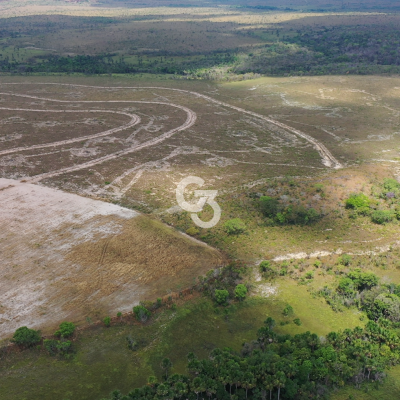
(221,296)
(57,346)
(297,321)
(346,286)
(267,269)
(269,206)
(358,202)
(192,231)
(345,260)
(234,226)
(51,346)
(382,216)
(288,310)
(240,292)
(310,275)
(107,321)
(391,185)
(141,313)
(66,329)
(317,263)
(26,337)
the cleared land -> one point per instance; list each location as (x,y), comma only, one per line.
(67,257)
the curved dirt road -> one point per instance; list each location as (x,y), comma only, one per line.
(327,158)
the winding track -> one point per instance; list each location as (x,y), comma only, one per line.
(135,119)
(327,158)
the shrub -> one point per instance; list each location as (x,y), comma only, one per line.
(234,226)
(141,313)
(319,187)
(297,321)
(64,347)
(317,263)
(192,231)
(107,321)
(57,346)
(310,275)
(346,286)
(363,280)
(391,185)
(382,216)
(51,346)
(26,337)
(267,269)
(269,206)
(66,329)
(359,202)
(345,260)
(240,292)
(221,296)
(288,310)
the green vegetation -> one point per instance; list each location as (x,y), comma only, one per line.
(240,292)
(359,202)
(66,329)
(382,216)
(285,365)
(221,296)
(141,313)
(60,347)
(26,337)
(292,214)
(235,226)
(288,310)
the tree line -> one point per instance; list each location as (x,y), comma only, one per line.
(277,366)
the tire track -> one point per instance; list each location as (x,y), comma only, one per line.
(190,120)
(327,158)
(135,119)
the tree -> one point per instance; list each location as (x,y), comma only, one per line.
(280,380)
(249,381)
(141,313)
(270,323)
(66,329)
(166,364)
(221,296)
(26,337)
(240,292)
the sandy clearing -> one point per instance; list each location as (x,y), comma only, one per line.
(65,257)
(34,221)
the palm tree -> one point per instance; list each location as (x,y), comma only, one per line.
(280,382)
(269,384)
(166,364)
(248,381)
